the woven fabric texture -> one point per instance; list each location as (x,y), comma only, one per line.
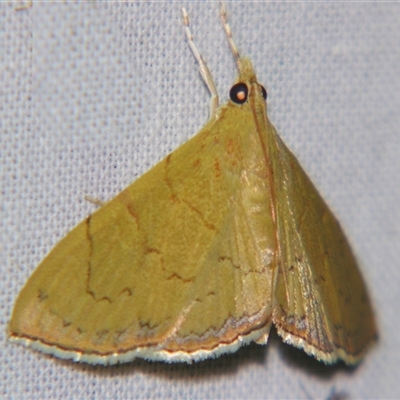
(95,93)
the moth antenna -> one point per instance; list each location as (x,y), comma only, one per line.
(204,71)
(228,32)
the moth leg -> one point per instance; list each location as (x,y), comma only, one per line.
(24,6)
(204,71)
(94,200)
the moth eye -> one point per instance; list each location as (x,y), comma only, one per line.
(264,92)
(238,93)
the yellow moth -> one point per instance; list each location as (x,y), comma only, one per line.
(220,240)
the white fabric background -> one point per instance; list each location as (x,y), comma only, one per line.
(93,94)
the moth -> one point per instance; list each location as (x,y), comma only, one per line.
(219,241)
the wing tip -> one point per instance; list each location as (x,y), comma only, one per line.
(326,357)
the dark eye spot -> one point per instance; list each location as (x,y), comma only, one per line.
(264,92)
(238,93)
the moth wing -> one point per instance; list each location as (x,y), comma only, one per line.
(173,268)
(322,302)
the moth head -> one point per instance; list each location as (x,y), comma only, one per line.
(246,83)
